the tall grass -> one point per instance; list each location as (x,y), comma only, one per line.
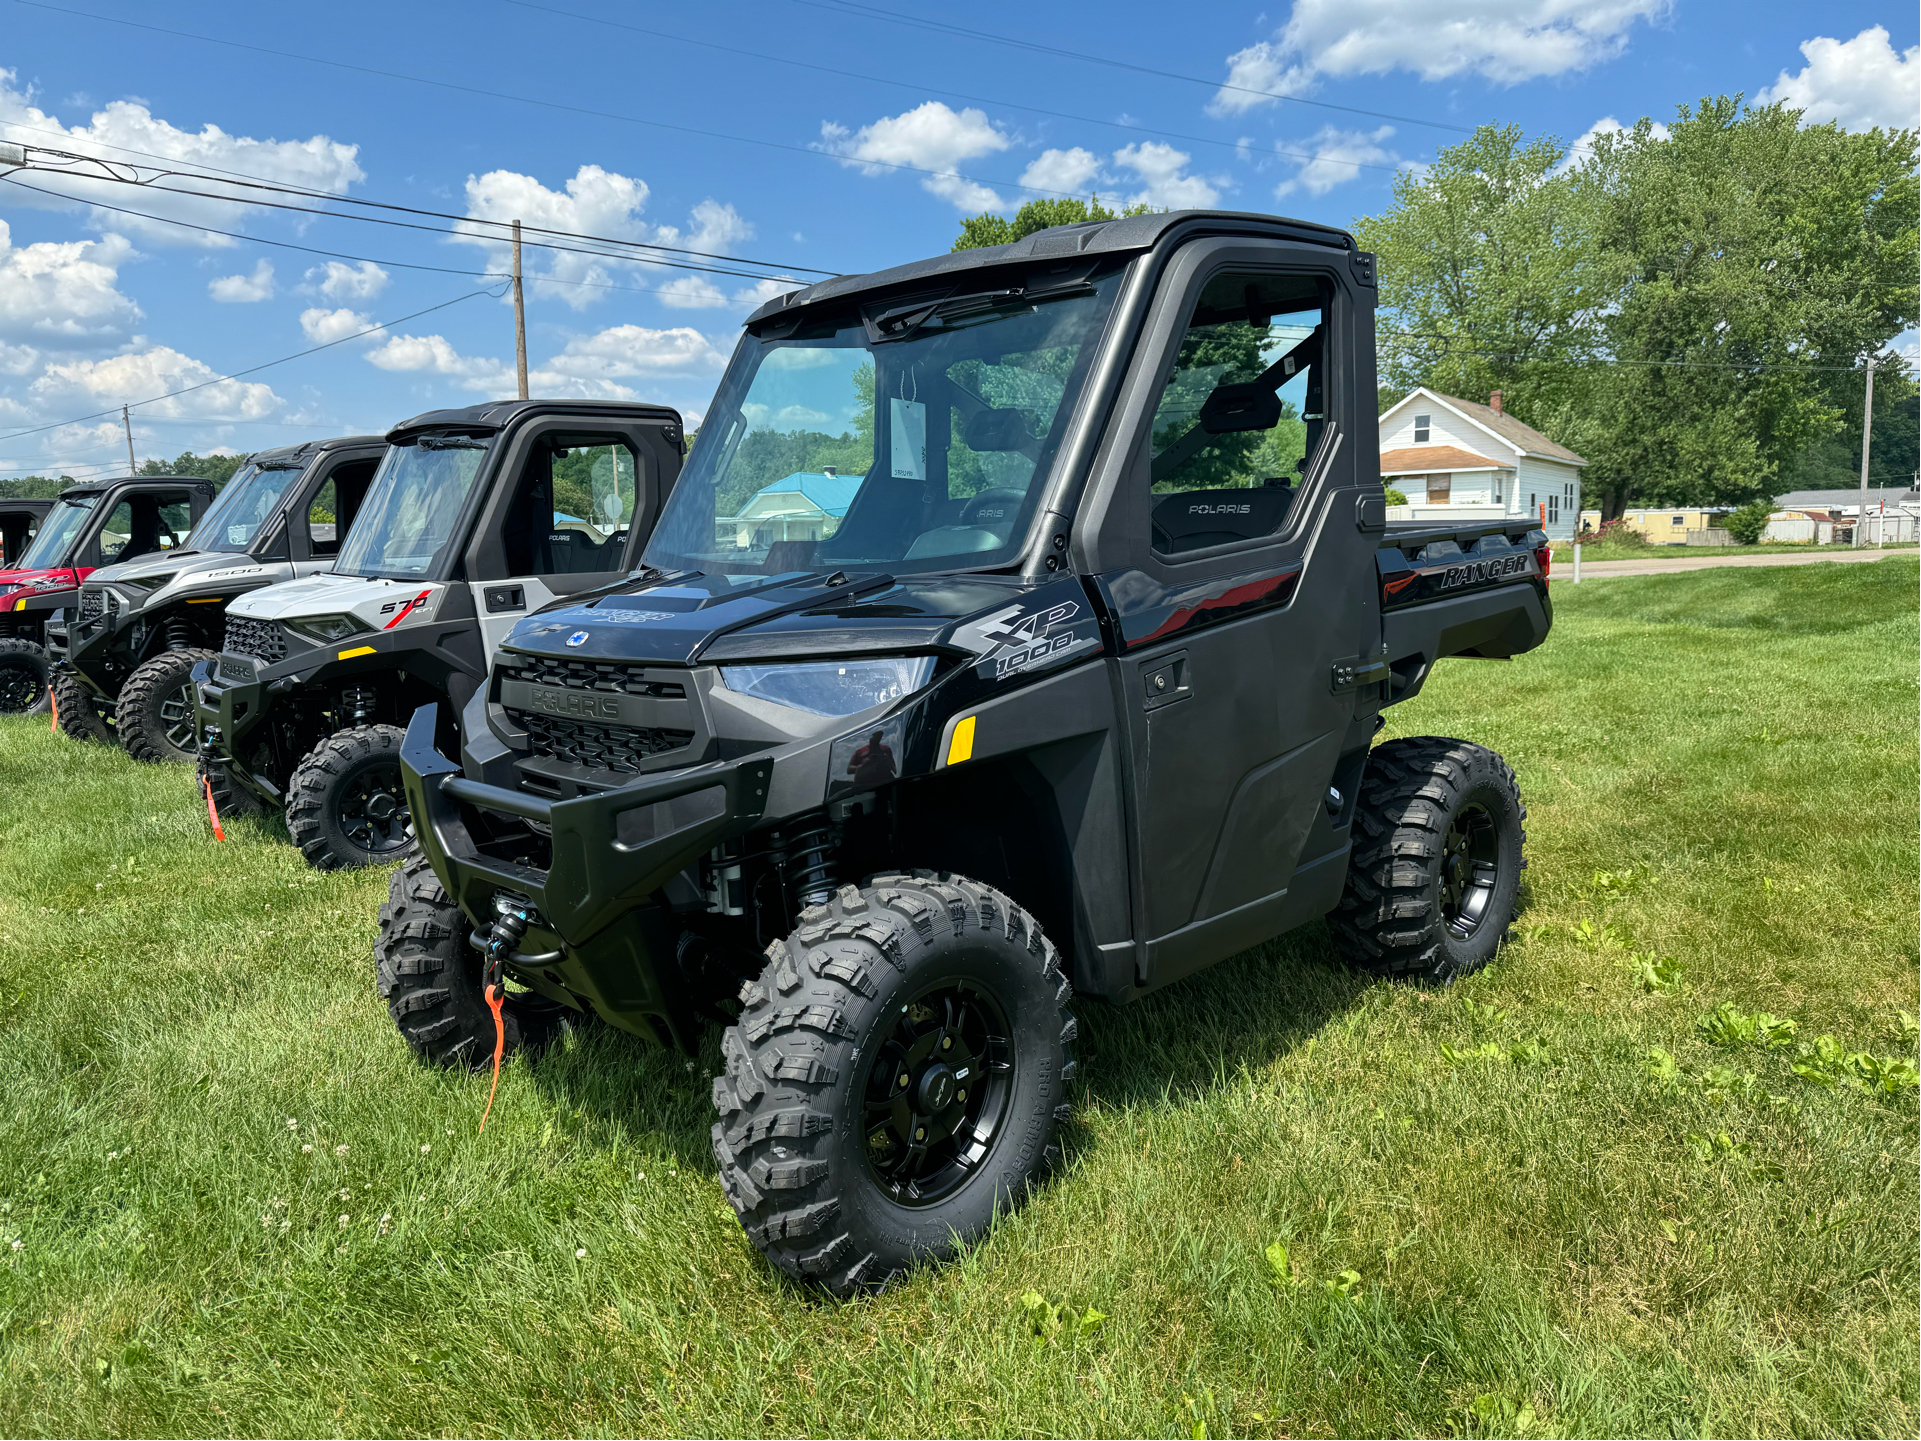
(1545,1200)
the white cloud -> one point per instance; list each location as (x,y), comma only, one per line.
(340,281)
(1069,172)
(1163,170)
(692,292)
(322,326)
(588,367)
(630,350)
(1338,156)
(1506,41)
(317,163)
(1260,67)
(1861,83)
(930,137)
(66,293)
(147,373)
(596,201)
(244,289)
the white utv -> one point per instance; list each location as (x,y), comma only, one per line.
(476,518)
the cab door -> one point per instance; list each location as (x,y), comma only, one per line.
(576,500)
(324,511)
(1235,576)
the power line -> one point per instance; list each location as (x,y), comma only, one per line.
(252,369)
(153,186)
(536,101)
(1234,145)
(310,192)
(490,275)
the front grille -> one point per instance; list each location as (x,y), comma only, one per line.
(586,675)
(608,748)
(93,601)
(264,640)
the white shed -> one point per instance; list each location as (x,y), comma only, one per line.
(1459,460)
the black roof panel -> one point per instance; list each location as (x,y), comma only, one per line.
(1128,235)
(497,414)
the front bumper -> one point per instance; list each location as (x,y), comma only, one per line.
(600,936)
(230,704)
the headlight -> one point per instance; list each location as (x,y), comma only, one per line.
(832,687)
(326,627)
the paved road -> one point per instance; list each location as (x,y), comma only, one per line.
(1594,569)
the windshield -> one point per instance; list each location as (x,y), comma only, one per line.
(63,522)
(830,448)
(244,504)
(405,525)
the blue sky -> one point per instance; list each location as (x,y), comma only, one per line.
(768,155)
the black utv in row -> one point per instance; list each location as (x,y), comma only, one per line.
(1020,626)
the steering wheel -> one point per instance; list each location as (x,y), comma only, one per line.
(992,507)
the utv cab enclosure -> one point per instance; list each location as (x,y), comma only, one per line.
(124,658)
(474,518)
(19,523)
(1024,617)
(89,526)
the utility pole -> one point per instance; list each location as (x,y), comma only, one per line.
(127,421)
(519,317)
(1867,436)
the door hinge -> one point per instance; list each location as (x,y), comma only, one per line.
(1355,673)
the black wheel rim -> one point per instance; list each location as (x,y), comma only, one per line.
(1470,869)
(372,812)
(177,721)
(19,688)
(937,1091)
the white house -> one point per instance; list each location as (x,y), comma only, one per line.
(1459,460)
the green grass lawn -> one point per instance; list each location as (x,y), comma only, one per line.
(1543,1201)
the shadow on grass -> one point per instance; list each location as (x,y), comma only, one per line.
(623,1089)
(1250,1010)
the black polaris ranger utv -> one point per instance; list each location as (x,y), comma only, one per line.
(90,525)
(475,517)
(123,659)
(1024,616)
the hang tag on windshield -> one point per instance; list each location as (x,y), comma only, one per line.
(908,427)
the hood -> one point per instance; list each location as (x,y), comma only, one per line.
(159,577)
(378,604)
(681,620)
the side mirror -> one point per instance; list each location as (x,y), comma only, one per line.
(1240,406)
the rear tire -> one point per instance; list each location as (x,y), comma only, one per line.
(431,979)
(1437,861)
(155,717)
(848,1145)
(80,712)
(345,805)
(24,669)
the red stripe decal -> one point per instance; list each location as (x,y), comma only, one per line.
(1269,589)
(407,610)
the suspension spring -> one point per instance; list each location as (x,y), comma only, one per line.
(357,701)
(179,634)
(810,861)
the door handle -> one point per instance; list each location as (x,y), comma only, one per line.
(1164,681)
(505,597)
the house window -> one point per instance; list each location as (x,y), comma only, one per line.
(1679,520)
(1422,428)
(1440,489)
(1553,510)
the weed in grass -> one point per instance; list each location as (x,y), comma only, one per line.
(1051,1320)
(1493,1414)
(1605,937)
(1656,975)
(1729,1027)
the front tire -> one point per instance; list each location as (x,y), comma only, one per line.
(77,711)
(155,717)
(431,978)
(24,672)
(345,805)
(1437,861)
(898,1077)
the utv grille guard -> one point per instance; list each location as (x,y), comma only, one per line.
(611,850)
